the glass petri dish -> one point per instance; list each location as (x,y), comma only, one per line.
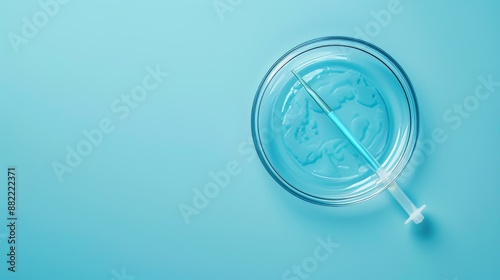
(299,145)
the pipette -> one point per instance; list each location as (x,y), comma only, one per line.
(415,214)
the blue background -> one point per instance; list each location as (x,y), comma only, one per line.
(116,215)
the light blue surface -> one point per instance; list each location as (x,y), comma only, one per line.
(117,213)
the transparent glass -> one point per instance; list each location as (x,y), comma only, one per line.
(304,151)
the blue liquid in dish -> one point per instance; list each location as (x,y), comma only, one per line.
(315,143)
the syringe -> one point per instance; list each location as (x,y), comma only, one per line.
(415,214)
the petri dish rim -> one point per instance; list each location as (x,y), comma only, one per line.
(391,64)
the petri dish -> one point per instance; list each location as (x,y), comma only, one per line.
(301,148)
